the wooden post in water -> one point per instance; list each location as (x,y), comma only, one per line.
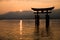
(37,25)
(37,22)
(47,23)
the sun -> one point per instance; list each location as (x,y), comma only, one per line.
(21,10)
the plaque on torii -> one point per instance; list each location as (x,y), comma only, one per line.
(42,10)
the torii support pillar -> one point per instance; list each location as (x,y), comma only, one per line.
(47,23)
(37,22)
(42,10)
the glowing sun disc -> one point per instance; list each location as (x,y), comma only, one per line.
(21,10)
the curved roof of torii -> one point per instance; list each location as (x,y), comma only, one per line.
(42,9)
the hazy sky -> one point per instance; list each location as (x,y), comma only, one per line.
(17,5)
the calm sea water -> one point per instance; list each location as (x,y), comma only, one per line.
(10,30)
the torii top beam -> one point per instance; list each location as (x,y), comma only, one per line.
(43,10)
(39,9)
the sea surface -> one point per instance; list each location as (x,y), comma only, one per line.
(10,30)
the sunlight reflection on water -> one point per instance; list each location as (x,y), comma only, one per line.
(20,27)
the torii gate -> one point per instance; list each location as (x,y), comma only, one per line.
(42,10)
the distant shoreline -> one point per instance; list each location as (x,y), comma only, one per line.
(22,19)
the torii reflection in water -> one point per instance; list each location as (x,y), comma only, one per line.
(42,10)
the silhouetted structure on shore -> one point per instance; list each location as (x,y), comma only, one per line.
(42,10)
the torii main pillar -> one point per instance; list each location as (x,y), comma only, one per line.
(42,10)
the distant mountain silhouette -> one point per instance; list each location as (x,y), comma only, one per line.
(18,15)
(55,14)
(28,15)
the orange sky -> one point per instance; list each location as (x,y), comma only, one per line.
(16,5)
